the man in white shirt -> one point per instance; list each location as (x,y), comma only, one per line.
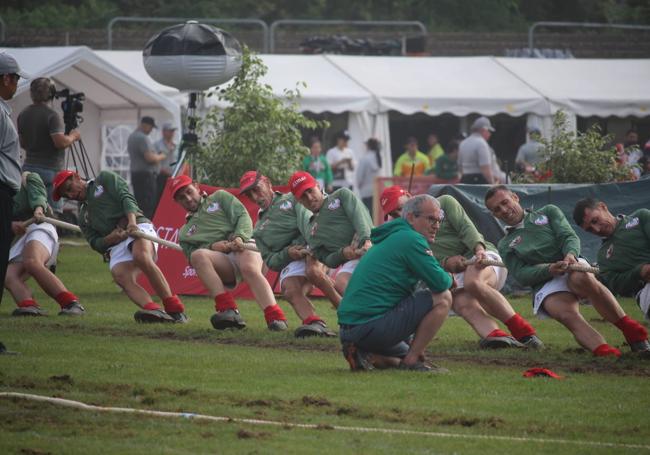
(475,157)
(341,159)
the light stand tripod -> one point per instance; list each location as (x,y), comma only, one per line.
(189,140)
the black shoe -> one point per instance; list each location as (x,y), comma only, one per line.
(179,318)
(640,346)
(422,367)
(279,325)
(228,319)
(316,328)
(152,316)
(499,343)
(32,310)
(72,309)
(532,342)
(357,359)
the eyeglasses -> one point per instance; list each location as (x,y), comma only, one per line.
(432,219)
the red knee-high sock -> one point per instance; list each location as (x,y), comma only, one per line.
(519,327)
(496,333)
(65,298)
(632,330)
(151,306)
(605,350)
(27,302)
(313,318)
(274,313)
(225,301)
(173,304)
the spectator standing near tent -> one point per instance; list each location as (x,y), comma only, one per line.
(411,160)
(475,157)
(446,167)
(342,161)
(165,146)
(217,227)
(537,249)
(10,171)
(529,154)
(317,165)
(368,170)
(42,135)
(145,162)
(624,256)
(435,151)
(108,214)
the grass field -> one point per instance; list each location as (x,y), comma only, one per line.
(483,406)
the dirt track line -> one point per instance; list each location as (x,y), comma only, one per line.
(309,426)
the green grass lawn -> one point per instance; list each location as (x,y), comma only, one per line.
(106,359)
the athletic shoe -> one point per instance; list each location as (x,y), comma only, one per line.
(532,342)
(422,367)
(72,309)
(32,310)
(278,325)
(152,316)
(179,318)
(316,328)
(357,359)
(227,319)
(499,343)
(640,346)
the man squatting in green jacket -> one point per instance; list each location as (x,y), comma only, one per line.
(280,233)
(108,215)
(380,310)
(624,257)
(217,227)
(339,229)
(477,286)
(34,252)
(537,249)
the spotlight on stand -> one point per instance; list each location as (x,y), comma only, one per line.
(192,57)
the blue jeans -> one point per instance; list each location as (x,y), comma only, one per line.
(47,175)
(387,334)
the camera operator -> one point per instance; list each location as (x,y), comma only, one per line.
(145,162)
(41,131)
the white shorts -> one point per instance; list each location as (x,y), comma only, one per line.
(294,268)
(643,300)
(501,272)
(234,261)
(347,267)
(44,234)
(557,284)
(122,251)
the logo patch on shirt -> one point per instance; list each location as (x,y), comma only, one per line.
(335,204)
(541,220)
(192,230)
(516,241)
(286,205)
(429,252)
(213,207)
(610,252)
(634,222)
(99,190)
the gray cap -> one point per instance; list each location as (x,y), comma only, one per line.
(534,129)
(482,122)
(169,126)
(9,65)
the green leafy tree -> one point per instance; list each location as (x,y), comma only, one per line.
(257,130)
(588,157)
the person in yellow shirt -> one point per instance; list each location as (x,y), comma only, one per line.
(405,163)
(435,151)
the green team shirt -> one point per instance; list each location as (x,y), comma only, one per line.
(32,194)
(457,235)
(283,224)
(545,237)
(108,200)
(220,216)
(334,226)
(389,272)
(622,255)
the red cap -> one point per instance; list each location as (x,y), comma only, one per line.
(59,179)
(179,182)
(301,181)
(389,199)
(249,180)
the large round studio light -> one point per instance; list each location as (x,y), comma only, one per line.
(192,56)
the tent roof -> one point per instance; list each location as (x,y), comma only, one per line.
(432,85)
(588,87)
(81,70)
